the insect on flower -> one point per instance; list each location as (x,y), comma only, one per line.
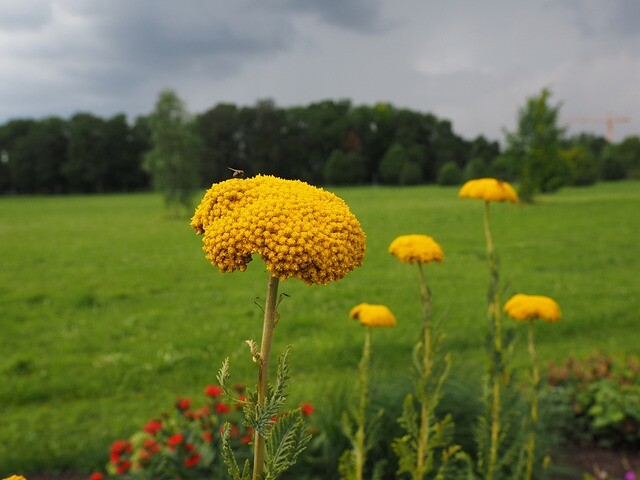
(237,173)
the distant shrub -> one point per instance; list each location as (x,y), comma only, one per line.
(475,168)
(449,174)
(391,164)
(612,168)
(582,164)
(344,168)
(410,174)
(501,168)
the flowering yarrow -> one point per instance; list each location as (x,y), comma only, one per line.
(373,315)
(489,190)
(299,230)
(523,307)
(416,248)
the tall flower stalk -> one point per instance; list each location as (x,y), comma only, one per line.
(353,461)
(493,190)
(416,449)
(268,327)
(299,231)
(528,308)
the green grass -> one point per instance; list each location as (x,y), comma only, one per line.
(109,310)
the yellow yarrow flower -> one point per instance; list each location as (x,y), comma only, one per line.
(15,477)
(523,307)
(299,230)
(416,248)
(489,190)
(373,315)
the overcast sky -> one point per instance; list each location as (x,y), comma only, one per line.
(472,62)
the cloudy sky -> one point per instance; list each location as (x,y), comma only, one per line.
(472,62)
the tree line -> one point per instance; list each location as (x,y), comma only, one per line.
(332,142)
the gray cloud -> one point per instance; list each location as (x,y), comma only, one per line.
(24,15)
(360,15)
(471,62)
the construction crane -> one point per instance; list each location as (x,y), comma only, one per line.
(609,122)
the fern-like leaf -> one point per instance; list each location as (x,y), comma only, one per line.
(289,438)
(228,455)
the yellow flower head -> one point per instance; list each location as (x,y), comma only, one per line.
(489,190)
(299,230)
(528,307)
(416,248)
(15,477)
(373,315)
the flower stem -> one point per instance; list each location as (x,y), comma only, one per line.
(535,382)
(496,369)
(364,397)
(423,439)
(268,327)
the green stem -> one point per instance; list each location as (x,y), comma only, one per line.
(423,439)
(496,368)
(364,397)
(268,327)
(535,382)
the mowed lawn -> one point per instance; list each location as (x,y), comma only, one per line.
(109,310)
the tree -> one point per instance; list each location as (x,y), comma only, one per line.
(583,165)
(534,148)
(449,174)
(344,168)
(173,160)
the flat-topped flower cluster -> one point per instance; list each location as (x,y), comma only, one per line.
(299,230)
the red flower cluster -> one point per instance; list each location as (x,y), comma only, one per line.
(187,435)
(213,391)
(183,403)
(152,427)
(306,408)
(120,451)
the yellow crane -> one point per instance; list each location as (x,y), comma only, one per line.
(609,122)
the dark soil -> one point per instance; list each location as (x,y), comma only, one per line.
(600,462)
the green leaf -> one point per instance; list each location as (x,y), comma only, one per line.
(228,455)
(289,437)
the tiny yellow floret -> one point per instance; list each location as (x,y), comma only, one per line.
(416,248)
(489,190)
(523,307)
(373,315)
(299,230)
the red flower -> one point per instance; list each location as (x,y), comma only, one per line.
(151,445)
(183,403)
(246,439)
(213,391)
(222,408)
(208,437)
(202,412)
(144,455)
(96,476)
(152,427)
(306,408)
(121,446)
(189,447)
(192,461)
(114,458)
(174,441)
(123,467)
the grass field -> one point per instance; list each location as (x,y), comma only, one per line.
(109,310)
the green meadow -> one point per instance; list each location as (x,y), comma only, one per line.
(109,310)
